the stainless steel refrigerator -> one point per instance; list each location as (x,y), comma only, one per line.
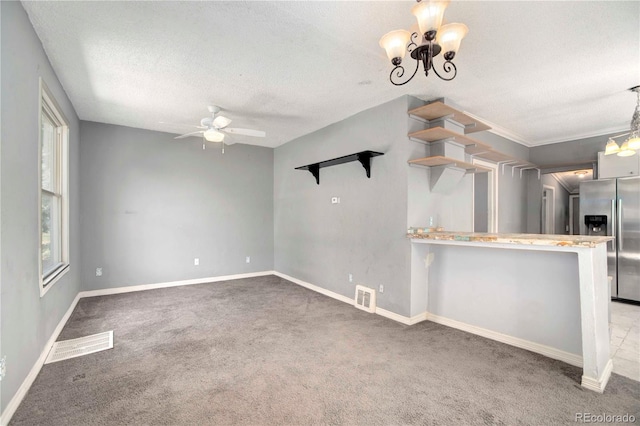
(612,207)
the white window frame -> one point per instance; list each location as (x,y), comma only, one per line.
(47,102)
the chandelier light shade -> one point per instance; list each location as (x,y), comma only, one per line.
(429,15)
(611,148)
(430,39)
(449,38)
(632,143)
(625,151)
(395,43)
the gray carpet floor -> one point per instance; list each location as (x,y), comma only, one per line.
(266,351)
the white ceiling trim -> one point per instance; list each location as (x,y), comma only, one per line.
(604,132)
(496,129)
(561,180)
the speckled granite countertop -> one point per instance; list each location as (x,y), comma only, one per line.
(524,239)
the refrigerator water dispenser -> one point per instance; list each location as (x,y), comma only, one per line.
(596,224)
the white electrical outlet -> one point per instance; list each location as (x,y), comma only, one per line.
(350,278)
(248,260)
(335,200)
(196,261)
(381,289)
(98,272)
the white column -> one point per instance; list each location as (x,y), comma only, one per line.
(594,303)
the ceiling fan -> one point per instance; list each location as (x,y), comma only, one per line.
(215,127)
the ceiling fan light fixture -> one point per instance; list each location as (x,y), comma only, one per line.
(212,135)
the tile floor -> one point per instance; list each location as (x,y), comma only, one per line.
(625,339)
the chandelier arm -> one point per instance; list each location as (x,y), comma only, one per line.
(398,71)
(412,44)
(448,67)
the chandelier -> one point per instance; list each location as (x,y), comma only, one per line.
(426,43)
(632,143)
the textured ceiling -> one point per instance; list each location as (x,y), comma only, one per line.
(544,71)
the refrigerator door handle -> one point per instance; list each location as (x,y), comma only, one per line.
(619,223)
(613,225)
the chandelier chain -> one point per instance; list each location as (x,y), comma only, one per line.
(635,119)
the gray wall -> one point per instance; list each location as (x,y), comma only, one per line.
(576,151)
(27,319)
(151,204)
(512,189)
(480,202)
(364,235)
(322,243)
(523,277)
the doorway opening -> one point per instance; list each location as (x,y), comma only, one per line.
(485,198)
(548,210)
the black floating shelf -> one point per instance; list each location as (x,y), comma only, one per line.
(364,157)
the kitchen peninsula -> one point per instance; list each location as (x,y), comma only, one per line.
(544,293)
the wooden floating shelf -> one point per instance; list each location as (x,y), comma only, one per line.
(498,157)
(364,157)
(438,109)
(446,161)
(436,134)
(494,156)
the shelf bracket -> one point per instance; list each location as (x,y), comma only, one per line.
(365,159)
(506,163)
(530,168)
(314,169)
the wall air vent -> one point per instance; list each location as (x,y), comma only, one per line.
(73,348)
(365,298)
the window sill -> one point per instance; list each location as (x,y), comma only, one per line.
(46,284)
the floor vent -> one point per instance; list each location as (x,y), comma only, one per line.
(73,348)
(365,298)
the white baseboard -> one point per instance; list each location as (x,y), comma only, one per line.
(142,287)
(11,408)
(13,405)
(382,312)
(547,351)
(598,385)
(315,288)
(401,318)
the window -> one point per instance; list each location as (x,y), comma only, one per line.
(54,197)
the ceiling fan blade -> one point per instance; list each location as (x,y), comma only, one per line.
(246,132)
(229,141)
(189,134)
(221,122)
